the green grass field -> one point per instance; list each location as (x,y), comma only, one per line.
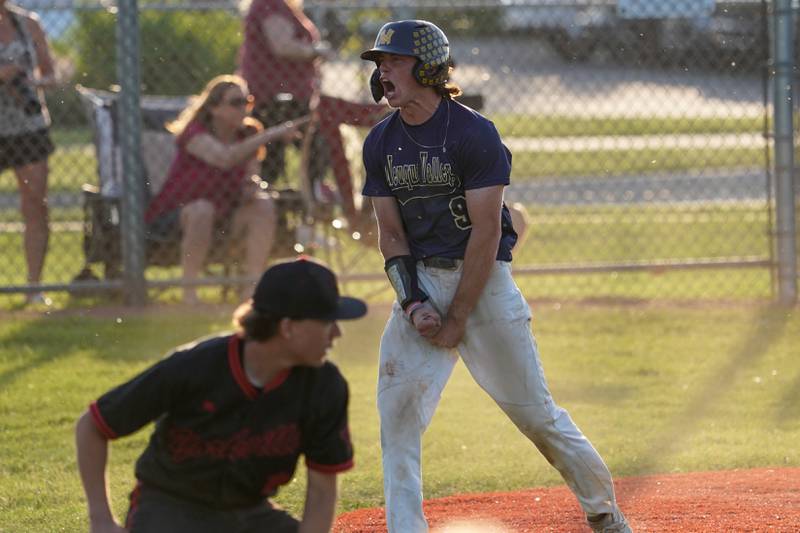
(584,236)
(71,168)
(656,388)
(562,126)
(574,126)
(73,163)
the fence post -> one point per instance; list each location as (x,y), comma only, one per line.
(133,195)
(783,62)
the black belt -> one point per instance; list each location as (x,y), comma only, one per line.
(445,263)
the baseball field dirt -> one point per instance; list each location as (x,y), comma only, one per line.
(764,499)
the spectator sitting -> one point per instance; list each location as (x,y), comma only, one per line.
(25,67)
(212,184)
(281,55)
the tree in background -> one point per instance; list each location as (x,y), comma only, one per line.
(180,50)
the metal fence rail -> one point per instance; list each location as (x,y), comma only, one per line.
(650,147)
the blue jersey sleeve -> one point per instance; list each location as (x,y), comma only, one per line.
(484,161)
(375,181)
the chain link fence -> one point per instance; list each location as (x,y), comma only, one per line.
(641,132)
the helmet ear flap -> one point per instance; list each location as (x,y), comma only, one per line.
(375,85)
(419,71)
(434,76)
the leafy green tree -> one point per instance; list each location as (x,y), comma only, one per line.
(180,50)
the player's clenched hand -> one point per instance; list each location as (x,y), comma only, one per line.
(450,334)
(426,320)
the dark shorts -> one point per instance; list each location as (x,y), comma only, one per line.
(19,150)
(154,511)
(166,227)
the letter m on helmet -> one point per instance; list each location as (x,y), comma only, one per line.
(416,38)
(385,37)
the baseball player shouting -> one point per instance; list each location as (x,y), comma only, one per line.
(436,172)
(233,414)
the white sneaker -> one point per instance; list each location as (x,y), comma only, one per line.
(609,523)
(39,299)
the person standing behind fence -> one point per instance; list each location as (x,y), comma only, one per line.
(26,66)
(213,184)
(281,57)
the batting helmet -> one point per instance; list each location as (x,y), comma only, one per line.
(417,38)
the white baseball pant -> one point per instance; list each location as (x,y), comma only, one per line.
(501,354)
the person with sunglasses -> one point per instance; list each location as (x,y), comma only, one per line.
(213,182)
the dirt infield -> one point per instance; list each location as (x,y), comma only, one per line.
(766,499)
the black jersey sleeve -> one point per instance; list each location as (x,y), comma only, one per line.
(128,407)
(327,446)
(484,160)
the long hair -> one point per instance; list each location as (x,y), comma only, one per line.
(449,89)
(252,325)
(199,108)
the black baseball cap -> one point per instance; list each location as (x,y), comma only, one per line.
(304,289)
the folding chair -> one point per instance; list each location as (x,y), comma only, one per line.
(102,202)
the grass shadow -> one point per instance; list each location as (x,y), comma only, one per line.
(112,335)
(787,411)
(47,344)
(768,327)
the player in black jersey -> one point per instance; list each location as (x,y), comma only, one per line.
(436,171)
(232,414)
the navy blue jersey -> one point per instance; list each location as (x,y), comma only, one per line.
(219,440)
(429,181)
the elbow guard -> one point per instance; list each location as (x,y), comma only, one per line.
(402,273)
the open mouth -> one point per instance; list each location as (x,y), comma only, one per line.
(388,88)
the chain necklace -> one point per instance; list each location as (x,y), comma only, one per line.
(444,140)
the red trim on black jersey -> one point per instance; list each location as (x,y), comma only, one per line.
(330,469)
(134,505)
(100,422)
(274,482)
(277,381)
(238,370)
